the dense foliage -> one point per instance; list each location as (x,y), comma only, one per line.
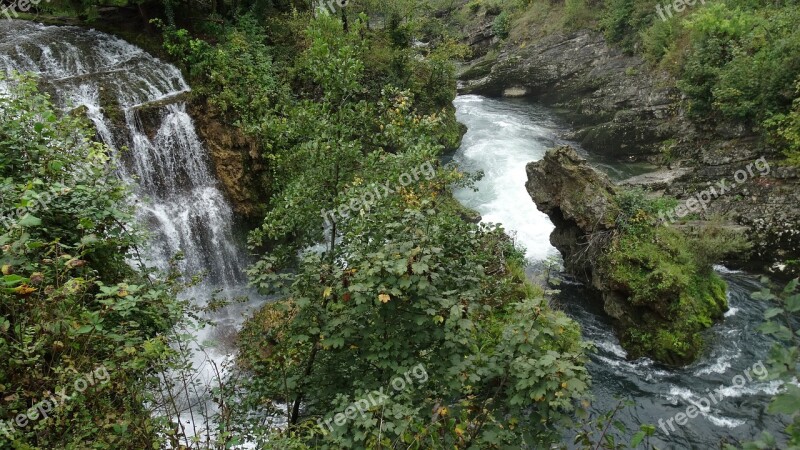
(376,273)
(75,317)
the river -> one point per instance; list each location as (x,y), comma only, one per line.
(502,137)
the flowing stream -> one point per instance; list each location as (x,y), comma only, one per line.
(134,101)
(502,137)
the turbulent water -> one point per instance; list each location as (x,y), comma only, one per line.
(175,192)
(503,136)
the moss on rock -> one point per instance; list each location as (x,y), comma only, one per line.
(656,281)
(677,296)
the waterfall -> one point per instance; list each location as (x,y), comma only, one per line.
(134,101)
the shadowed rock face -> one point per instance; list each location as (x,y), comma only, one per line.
(619,108)
(236,158)
(579,201)
(647,280)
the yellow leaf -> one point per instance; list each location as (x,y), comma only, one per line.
(327,292)
(564,385)
(24,289)
(384,298)
(6,269)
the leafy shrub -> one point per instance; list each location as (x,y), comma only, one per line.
(501,25)
(659,39)
(70,304)
(415,291)
(474,6)
(238,75)
(577,14)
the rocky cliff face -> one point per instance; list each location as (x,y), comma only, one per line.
(748,186)
(619,109)
(236,158)
(660,295)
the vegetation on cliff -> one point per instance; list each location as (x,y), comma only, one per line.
(667,277)
(656,281)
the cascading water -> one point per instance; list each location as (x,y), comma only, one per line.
(175,193)
(502,137)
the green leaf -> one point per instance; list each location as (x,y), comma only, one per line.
(89,239)
(55,166)
(793,303)
(85,329)
(791,286)
(772,312)
(787,402)
(12,280)
(419,268)
(30,221)
(637,439)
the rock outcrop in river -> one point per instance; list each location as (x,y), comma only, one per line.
(659,289)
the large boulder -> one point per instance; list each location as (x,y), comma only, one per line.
(660,291)
(579,201)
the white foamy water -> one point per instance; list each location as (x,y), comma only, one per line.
(720,365)
(501,141)
(731,312)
